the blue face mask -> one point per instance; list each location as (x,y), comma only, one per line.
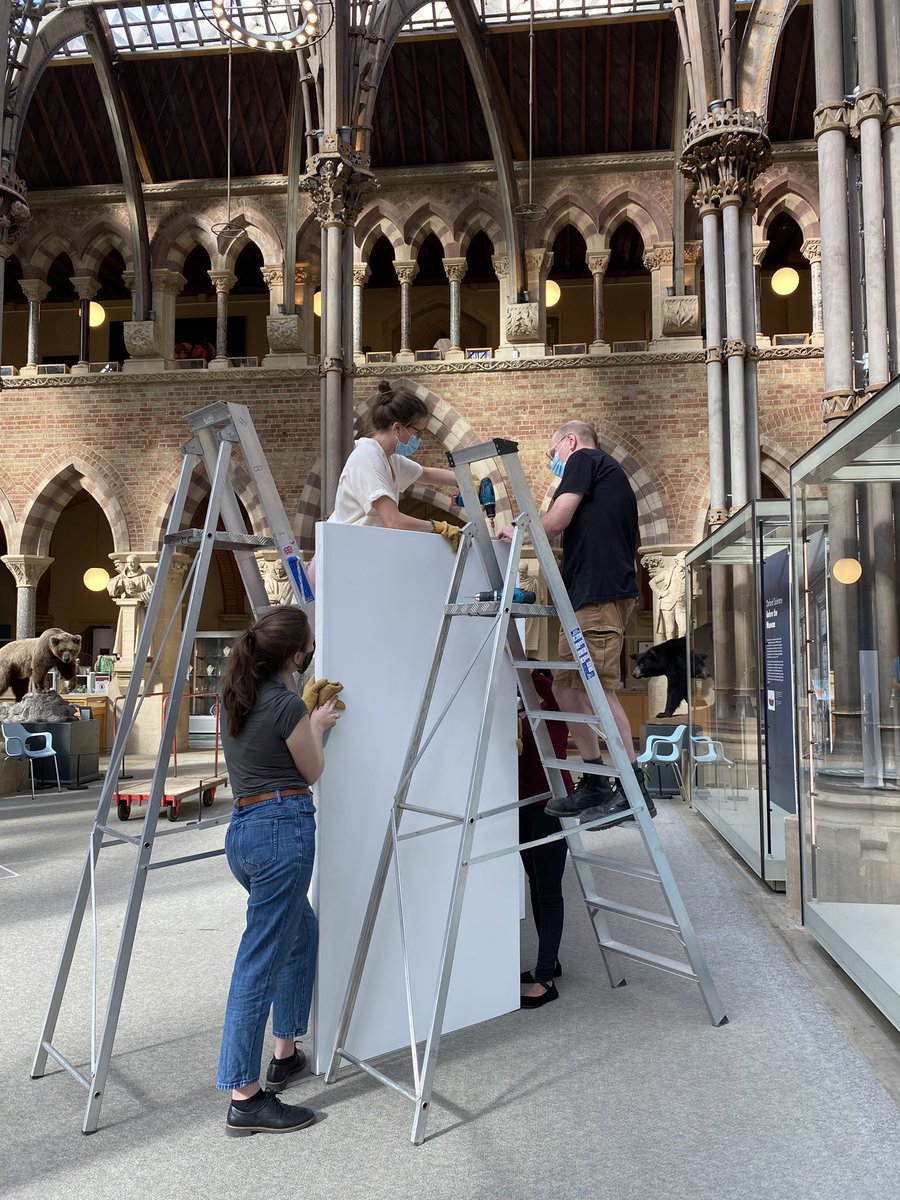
(408,449)
(557,466)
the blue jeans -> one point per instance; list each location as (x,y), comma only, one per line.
(270,848)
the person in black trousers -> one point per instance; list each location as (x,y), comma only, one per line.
(544,865)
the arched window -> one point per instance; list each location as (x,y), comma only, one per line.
(627,292)
(785,312)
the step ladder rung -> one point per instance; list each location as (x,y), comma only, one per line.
(490,608)
(221,541)
(577,765)
(619,866)
(645,915)
(673,965)
(530,664)
(549,714)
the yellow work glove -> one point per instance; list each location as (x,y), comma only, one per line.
(520,745)
(448,531)
(319,691)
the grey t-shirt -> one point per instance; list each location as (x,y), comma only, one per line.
(258,759)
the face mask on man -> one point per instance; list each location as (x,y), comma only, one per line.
(557,466)
(408,449)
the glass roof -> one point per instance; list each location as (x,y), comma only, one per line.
(160,28)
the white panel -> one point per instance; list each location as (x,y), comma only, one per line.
(378,609)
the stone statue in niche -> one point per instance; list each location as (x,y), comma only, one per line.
(132,581)
(667,582)
(279,586)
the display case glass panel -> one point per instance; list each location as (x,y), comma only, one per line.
(846,530)
(210,658)
(741,774)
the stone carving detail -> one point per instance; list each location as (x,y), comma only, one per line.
(830,116)
(667,582)
(406,271)
(26,569)
(455,269)
(713,354)
(284,333)
(361,274)
(723,153)
(717,517)
(538,261)
(501,264)
(131,582)
(693,252)
(680,316)
(837,405)
(522,322)
(337,187)
(657,255)
(735,348)
(759,253)
(812,250)
(892,111)
(279,586)
(142,339)
(273,276)
(597,263)
(868,104)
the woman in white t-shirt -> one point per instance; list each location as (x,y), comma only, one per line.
(380,468)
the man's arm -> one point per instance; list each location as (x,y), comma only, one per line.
(561,513)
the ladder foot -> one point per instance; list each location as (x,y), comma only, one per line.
(719,1024)
(622,983)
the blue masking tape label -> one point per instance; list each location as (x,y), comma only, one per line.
(302,582)
(581,652)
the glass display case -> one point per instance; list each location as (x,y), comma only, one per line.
(211,652)
(846,531)
(741,771)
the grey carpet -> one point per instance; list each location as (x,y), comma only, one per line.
(627,1094)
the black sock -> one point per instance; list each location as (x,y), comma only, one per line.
(598,761)
(282,1061)
(251,1104)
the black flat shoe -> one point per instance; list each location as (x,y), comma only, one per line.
(528,976)
(283,1071)
(549,993)
(270,1117)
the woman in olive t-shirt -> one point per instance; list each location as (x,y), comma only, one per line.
(273,749)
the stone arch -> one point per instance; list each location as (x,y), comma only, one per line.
(653,525)
(309,241)
(7,518)
(94,245)
(41,250)
(450,428)
(425,220)
(775,464)
(377,220)
(568,208)
(262,233)
(198,490)
(792,196)
(40,514)
(480,215)
(645,214)
(177,236)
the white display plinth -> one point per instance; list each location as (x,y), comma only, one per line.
(378,607)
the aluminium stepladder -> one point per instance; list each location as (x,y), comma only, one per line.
(217,430)
(505,639)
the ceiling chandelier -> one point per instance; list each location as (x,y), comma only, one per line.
(272,24)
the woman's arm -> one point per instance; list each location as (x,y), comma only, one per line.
(304,743)
(392,518)
(437,477)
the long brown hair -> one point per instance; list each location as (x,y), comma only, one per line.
(259,654)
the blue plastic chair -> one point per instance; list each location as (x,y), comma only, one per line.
(665,750)
(18,744)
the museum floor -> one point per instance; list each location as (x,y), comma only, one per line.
(628,1094)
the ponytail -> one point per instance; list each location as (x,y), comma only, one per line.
(257,655)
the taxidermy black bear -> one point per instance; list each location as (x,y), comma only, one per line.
(670,659)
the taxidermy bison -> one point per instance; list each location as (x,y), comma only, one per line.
(29,660)
(670,659)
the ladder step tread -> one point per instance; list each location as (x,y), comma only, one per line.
(530,664)
(576,764)
(221,541)
(673,965)
(648,917)
(490,608)
(619,866)
(548,714)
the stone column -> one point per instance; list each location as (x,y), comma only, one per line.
(151,344)
(274,279)
(284,331)
(869,112)
(27,570)
(223,281)
(812,252)
(693,257)
(750,320)
(597,264)
(538,263)
(361,275)
(86,288)
(500,264)
(308,278)
(715,382)
(759,253)
(735,348)
(455,269)
(35,292)
(406,270)
(658,260)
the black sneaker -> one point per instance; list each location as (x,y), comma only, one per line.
(590,791)
(270,1117)
(642,784)
(283,1070)
(617,803)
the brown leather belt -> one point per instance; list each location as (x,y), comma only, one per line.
(244,801)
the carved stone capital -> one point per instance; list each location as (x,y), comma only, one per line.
(869,105)
(830,116)
(812,250)
(142,339)
(455,269)
(361,274)
(724,152)
(273,276)
(657,255)
(169,283)
(500,263)
(405,269)
(337,184)
(735,348)
(713,354)
(223,281)
(538,261)
(717,517)
(693,252)
(892,112)
(522,322)
(86,287)
(26,569)
(759,253)
(597,263)
(680,316)
(35,290)
(285,333)
(837,405)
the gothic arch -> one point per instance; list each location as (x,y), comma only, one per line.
(97,241)
(198,490)
(480,215)
(645,214)
(775,464)
(425,220)
(177,236)
(42,247)
(377,220)
(792,196)
(450,428)
(568,208)
(41,512)
(7,518)
(262,233)
(309,241)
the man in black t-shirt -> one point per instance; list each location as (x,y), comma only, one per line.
(595,511)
